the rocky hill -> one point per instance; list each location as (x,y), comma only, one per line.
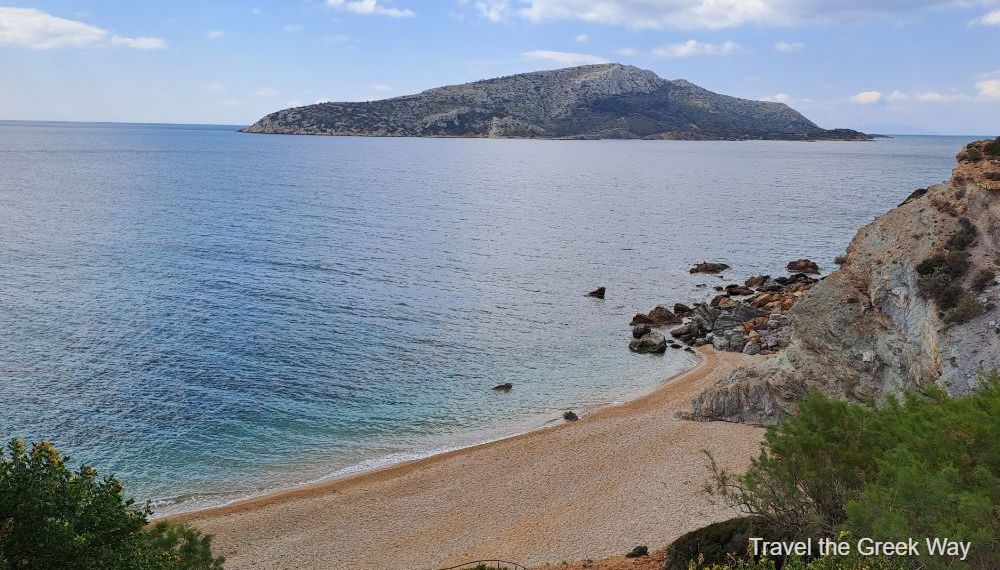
(914,304)
(593,101)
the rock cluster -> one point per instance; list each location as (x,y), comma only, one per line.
(755,323)
(709,267)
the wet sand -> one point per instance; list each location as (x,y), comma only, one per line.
(621,476)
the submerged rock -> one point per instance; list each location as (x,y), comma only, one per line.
(570,416)
(598,293)
(641,330)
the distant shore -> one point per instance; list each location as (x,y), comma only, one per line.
(621,476)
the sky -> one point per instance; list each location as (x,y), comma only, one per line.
(889,66)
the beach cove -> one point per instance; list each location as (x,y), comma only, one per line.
(624,475)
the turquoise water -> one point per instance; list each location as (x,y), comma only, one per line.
(209,314)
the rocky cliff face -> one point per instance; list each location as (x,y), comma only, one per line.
(876,327)
(594,101)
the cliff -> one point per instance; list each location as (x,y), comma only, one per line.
(595,101)
(913,305)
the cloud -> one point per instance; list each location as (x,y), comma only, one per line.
(717,14)
(988,19)
(215,34)
(627,52)
(30,28)
(291,29)
(582,38)
(216,87)
(692,48)
(266,92)
(778,98)
(924,97)
(789,47)
(380,87)
(989,89)
(565,58)
(867,97)
(369,7)
(493,10)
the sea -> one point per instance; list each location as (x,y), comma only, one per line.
(210,315)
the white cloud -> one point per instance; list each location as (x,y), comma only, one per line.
(255,11)
(266,92)
(989,89)
(717,14)
(215,34)
(627,52)
(369,7)
(30,28)
(380,87)
(789,47)
(693,48)
(565,58)
(988,19)
(582,38)
(935,97)
(147,43)
(897,97)
(867,97)
(779,98)
(493,10)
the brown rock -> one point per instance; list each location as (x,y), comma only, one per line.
(708,267)
(803,266)
(598,293)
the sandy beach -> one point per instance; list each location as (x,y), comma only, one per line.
(622,476)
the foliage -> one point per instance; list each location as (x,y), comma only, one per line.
(992,148)
(715,543)
(964,237)
(926,466)
(984,279)
(966,309)
(939,276)
(55,518)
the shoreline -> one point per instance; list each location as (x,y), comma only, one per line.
(356,519)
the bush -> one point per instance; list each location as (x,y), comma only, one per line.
(964,237)
(984,279)
(52,517)
(926,466)
(715,543)
(964,310)
(840,260)
(992,148)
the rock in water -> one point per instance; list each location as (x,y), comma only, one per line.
(641,330)
(570,416)
(652,342)
(598,293)
(505,387)
(708,267)
(803,266)
(658,317)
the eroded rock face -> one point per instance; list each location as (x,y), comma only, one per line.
(867,331)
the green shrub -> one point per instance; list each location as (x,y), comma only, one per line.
(992,148)
(715,543)
(984,279)
(926,466)
(55,518)
(964,237)
(840,260)
(964,310)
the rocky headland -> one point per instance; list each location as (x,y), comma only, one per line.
(607,101)
(913,304)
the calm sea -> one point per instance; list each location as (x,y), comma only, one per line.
(209,314)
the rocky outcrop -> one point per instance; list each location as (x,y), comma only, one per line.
(652,342)
(593,101)
(872,328)
(658,317)
(803,266)
(598,293)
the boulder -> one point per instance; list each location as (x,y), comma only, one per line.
(598,293)
(735,289)
(637,552)
(708,267)
(752,347)
(756,281)
(687,332)
(720,342)
(802,266)
(652,342)
(658,317)
(722,302)
(640,330)
(682,310)
(505,387)
(570,416)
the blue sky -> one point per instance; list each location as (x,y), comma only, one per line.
(904,66)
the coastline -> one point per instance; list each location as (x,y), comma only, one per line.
(359,520)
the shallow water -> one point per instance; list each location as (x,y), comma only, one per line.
(209,314)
